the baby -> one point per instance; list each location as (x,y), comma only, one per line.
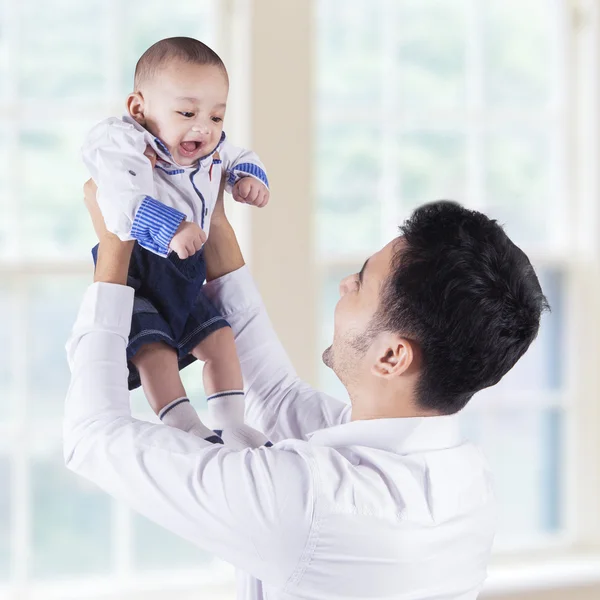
(177,109)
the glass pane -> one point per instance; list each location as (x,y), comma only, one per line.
(157,548)
(61,50)
(6,352)
(7,223)
(523,448)
(71,518)
(519,190)
(6,515)
(191,18)
(432,167)
(54,217)
(52,309)
(349,72)
(348,169)
(432,54)
(519,52)
(5,57)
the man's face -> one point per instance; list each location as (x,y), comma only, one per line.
(359,300)
(184,106)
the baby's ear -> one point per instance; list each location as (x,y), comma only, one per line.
(135,107)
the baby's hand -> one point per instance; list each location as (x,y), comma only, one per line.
(188,239)
(251,191)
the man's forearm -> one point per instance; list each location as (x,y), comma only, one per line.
(112,265)
(222,252)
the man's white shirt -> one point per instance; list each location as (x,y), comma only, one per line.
(390,508)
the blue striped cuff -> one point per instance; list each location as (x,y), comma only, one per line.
(155,225)
(251,169)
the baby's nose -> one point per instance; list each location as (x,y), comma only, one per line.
(200,129)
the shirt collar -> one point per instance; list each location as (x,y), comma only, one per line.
(160,148)
(402,435)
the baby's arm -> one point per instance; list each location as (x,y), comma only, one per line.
(113,152)
(246,179)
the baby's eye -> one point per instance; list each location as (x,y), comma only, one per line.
(216,119)
(187,115)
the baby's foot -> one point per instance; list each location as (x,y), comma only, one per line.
(242,436)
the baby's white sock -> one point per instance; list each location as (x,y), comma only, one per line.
(226,409)
(226,412)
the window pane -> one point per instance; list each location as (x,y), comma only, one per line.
(192,18)
(4,56)
(52,309)
(7,223)
(523,447)
(71,528)
(348,169)
(432,167)
(6,376)
(520,41)
(61,50)
(54,218)
(157,548)
(519,186)
(348,39)
(432,56)
(6,515)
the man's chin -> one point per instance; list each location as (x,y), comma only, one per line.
(328,357)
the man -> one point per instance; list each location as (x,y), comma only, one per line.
(379,499)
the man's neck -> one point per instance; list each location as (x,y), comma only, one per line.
(384,402)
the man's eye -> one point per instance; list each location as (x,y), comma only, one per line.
(217,119)
(187,115)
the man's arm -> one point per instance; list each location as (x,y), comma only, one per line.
(113,255)
(278,403)
(251,508)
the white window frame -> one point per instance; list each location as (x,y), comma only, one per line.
(215,578)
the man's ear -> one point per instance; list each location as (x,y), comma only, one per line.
(135,107)
(395,355)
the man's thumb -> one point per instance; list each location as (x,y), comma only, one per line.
(149,152)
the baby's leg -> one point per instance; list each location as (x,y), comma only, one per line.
(224,389)
(159,373)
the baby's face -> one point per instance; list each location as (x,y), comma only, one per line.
(184,105)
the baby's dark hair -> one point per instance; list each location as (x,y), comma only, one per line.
(175,48)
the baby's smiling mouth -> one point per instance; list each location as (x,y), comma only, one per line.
(189,149)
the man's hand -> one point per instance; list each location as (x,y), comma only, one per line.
(90,189)
(188,239)
(222,253)
(251,191)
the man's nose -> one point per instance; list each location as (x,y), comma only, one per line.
(344,285)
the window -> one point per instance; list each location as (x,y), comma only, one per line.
(64,66)
(420,100)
